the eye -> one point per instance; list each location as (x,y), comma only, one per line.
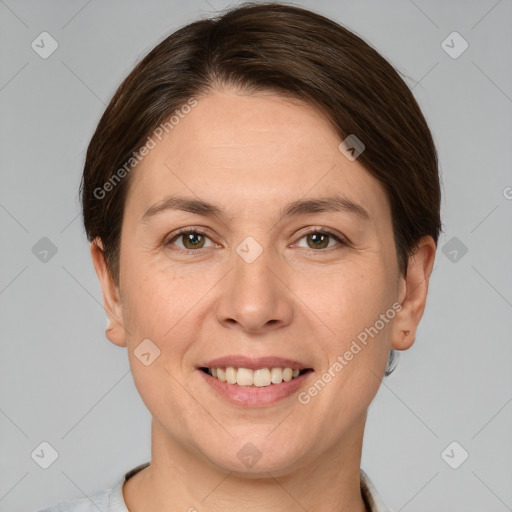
(321,239)
(191,239)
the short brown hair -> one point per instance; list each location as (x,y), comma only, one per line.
(293,52)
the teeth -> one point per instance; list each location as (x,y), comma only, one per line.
(276,375)
(244,377)
(287,374)
(262,377)
(231,375)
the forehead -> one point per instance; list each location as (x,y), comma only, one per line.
(252,152)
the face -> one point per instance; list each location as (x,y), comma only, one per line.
(287,261)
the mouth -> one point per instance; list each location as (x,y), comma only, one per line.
(248,381)
(259,377)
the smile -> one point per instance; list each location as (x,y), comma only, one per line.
(261,377)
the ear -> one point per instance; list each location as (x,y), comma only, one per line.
(115,330)
(413,294)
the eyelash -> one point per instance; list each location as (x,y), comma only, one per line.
(317,230)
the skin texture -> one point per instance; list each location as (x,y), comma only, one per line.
(251,155)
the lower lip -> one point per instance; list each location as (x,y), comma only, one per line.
(252,396)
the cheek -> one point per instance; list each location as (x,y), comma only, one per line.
(158,306)
(166,305)
(358,345)
(152,300)
(351,297)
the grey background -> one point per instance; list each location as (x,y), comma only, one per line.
(62,382)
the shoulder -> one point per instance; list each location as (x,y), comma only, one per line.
(373,501)
(106,500)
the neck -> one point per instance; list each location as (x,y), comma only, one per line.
(188,482)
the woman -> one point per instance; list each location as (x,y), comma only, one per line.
(262,200)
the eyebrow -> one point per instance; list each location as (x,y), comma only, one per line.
(338,204)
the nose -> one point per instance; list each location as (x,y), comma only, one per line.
(255,297)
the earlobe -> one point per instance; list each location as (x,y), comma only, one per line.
(115,330)
(413,294)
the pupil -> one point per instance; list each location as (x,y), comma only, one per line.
(191,238)
(319,237)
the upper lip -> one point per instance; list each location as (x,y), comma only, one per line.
(253,363)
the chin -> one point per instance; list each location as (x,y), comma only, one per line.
(248,461)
